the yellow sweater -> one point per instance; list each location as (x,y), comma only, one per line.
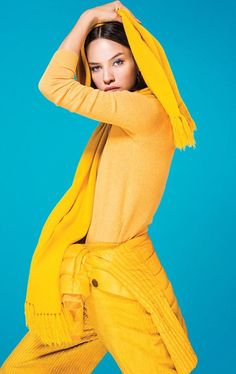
(137,156)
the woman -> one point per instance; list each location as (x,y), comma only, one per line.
(114,292)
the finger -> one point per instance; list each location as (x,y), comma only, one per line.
(119,18)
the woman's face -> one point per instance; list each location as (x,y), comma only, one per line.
(107,68)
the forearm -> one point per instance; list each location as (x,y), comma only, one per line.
(134,112)
(75,39)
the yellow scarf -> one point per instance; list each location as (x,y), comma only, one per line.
(70,219)
(156,71)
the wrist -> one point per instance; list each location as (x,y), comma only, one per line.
(88,18)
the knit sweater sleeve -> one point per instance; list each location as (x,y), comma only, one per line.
(134,112)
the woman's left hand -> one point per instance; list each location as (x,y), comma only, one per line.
(108,12)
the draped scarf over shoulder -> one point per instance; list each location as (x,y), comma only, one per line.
(156,71)
(70,219)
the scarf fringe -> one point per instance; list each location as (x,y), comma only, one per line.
(184,110)
(183,128)
(53,328)
(183,131)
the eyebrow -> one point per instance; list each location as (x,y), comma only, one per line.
(118,54)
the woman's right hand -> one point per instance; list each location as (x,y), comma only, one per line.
(108,12)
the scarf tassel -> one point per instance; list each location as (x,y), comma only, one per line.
(183,130)
(53,328)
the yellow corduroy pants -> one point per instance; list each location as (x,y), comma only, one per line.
(113,322)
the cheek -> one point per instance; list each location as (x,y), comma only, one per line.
(128,73)
(96,78)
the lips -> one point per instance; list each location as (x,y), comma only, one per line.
(111,88)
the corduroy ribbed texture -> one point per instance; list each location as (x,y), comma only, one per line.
(145,287)
(132,312)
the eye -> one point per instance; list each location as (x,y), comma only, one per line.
(119,61)
(93,68)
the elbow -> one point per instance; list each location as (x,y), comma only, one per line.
(54,90)
(40,86)
(43,88)
(47,87)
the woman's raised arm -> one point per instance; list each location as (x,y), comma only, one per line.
(133,111)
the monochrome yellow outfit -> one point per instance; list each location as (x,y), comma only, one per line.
(96,283)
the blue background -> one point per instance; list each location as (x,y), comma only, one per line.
(41,145)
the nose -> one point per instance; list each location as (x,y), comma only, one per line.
(108,77)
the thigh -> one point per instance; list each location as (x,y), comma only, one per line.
(129,334)
(32,356)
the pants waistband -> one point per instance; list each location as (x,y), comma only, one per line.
(81,258)
(130,243)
